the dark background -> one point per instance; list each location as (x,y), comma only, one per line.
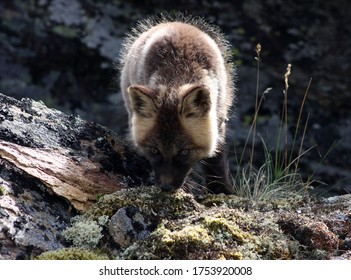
(63,53)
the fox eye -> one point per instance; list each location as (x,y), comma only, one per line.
(184,152)
(154,150)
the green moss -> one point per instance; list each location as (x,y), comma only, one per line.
(65,31)
(184,240)
(147,199)
(232,201)
(235,202)
(72,254)
(194,237)
(86,230)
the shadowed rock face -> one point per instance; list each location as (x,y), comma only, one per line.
(62,51)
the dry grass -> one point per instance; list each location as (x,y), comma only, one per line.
(279,176)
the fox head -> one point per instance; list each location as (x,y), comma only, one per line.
(173,130)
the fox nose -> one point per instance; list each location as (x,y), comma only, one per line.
(167,187)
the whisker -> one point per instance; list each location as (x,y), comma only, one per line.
(194,183)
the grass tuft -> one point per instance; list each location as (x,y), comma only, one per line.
(279,175)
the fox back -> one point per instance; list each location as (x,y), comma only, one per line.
(177,85)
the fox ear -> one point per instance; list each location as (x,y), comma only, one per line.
(141,98)
(196,102)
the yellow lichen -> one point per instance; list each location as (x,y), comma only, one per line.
(2,190)
(71,254)
(178,243)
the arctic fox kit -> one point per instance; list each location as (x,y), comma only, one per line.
(177,85)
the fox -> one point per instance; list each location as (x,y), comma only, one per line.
(177,83)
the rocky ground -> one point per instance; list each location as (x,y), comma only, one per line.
(137,224)
(63,52)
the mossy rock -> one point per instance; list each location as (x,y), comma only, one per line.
(219,227)
(148,199)
(217,233)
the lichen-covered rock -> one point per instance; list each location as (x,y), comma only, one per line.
(311,233)
(129,225)
(31,217)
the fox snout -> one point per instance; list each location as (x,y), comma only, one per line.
(171,181)
(167,187)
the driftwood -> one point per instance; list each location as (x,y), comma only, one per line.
(50,161)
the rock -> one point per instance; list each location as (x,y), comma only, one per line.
(129,225)
(310,233)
